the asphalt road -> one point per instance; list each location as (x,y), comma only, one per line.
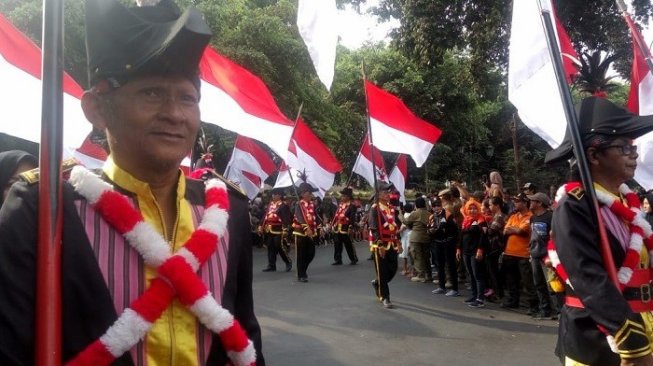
(335,319)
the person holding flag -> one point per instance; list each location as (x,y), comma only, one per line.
(602,322)
(342,225)
(274,227)
(384,242)
(304,229)
(156,267)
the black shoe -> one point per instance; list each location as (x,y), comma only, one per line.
(354,262)
(288,266)
(471,300)
(541,316)
(337,263)
(302,279)
(270,269)
(509,305)
(370,258)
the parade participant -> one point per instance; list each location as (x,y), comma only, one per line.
(154,264)
(343,224)
(384,242)
(304,230)
(12,163)
(274,227)
(603,323)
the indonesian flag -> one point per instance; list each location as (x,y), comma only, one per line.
(640,101)
(532,86)
(399,175)
(396,129)
(250,165)
(308,154)
(237,100)
(316,20)
(364,167)
(21,91)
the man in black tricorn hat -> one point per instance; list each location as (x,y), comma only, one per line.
(150,262)
(274,227)
(343,224)
(602,323)
(304,230)
(385,245)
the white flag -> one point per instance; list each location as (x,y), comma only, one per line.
(317,20)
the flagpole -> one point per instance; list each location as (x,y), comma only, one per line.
(637,36)
(369,132)
(292,181)
(351,175)
(579,152)
(48,343)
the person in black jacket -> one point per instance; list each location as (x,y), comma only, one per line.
(444,231)
(143,65)
(343,224)
(602,322)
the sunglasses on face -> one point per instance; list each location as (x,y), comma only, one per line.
(626,150)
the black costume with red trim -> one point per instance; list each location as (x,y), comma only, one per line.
(274,226)
(385,246)
(304,219)
(343,221)
(595,307)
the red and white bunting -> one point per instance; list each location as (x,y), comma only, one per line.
(532,86)
(396,128)
(399,176)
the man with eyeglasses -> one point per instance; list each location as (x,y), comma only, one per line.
(603,323)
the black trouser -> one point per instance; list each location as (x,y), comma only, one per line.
(445,253)
(495,279)
(305,252)
(541,287)
(273,242)
(340,241)
(386,267)
(476,272)
(516,269)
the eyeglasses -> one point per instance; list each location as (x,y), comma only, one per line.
(626,150)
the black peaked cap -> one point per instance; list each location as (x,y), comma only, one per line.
(599,116)
(122,42)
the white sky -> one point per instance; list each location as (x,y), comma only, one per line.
(356,29)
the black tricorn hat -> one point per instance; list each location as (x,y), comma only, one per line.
(122,42)
(599,116)
(305,187)
(347,191)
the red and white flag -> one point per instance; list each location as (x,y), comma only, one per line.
(316,21)
(396,128)
(532,85)
(364,167)
(250,165)
(640,101)
(20,92)
(308,154)
(399,175)
(237,100)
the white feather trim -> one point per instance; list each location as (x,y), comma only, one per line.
(125,332)
(215,220)
(211,314)
(149,244)
(88,184)
(216,183)
(245,357)
(624,274)
(189,257)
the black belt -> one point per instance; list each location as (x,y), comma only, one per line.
(641,293)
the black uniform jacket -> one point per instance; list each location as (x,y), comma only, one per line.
(577,242)
(88,310)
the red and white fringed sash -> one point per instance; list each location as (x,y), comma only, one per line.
(176,273)
(640,230)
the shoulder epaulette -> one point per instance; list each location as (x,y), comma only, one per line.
(577,193)
(33,176)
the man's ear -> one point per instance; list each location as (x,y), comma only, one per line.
(92,107)
(590,154)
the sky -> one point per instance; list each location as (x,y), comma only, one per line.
(356,28)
